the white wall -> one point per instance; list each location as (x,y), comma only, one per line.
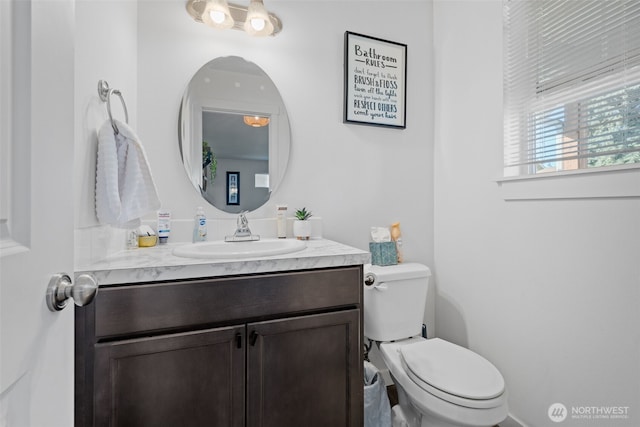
(547,290)
(352,176)
(106,49)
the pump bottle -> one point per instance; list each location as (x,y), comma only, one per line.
(199,226)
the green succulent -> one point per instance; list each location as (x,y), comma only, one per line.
(303,214)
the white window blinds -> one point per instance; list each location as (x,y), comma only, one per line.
(571,84)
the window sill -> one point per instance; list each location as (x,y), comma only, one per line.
(618,182)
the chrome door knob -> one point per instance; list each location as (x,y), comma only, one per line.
(60,289)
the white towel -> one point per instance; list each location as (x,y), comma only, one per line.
(125,190)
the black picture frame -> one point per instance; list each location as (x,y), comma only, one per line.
(233,188)
(375,76)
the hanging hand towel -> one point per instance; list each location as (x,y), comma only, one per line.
(125,190)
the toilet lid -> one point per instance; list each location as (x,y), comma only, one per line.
(452,369)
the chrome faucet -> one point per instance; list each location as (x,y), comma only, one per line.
(242,228)
(243,232)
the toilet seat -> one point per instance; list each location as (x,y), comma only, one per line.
(451,373)
(436,404)
(439,365)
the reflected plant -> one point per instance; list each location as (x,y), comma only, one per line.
(209,159)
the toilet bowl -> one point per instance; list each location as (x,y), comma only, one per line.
(439,384)
(463,389)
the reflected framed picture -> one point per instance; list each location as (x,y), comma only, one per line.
(375,74)
(233,188)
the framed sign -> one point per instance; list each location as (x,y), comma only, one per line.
(233,188)
(375,74)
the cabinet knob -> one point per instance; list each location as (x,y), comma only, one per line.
(60,289)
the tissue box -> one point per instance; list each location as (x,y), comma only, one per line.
(383,253)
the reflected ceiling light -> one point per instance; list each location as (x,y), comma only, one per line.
(254,19)
(217,14)
(256,121)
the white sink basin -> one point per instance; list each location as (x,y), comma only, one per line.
(233,250)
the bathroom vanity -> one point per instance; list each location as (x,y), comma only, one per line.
(271,342)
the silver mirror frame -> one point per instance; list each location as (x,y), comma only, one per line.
(232,85)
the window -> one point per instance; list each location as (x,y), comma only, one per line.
(572,85)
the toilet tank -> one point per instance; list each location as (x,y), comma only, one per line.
(394,300)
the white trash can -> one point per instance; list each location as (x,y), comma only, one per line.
(377,411)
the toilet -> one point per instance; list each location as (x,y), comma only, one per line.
(439,384)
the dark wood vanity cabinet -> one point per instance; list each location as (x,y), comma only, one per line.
(264,350)
(174,380)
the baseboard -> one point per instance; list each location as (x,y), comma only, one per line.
(512,422)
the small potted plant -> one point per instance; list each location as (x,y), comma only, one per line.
(302,227)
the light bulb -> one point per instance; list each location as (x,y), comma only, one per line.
(217,16)
(258,24)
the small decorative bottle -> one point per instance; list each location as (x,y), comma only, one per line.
(396,236)
(281,218)
(132,239)
(199,226)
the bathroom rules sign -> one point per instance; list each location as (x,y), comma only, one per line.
(375,74)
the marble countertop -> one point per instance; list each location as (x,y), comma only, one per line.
(159,263)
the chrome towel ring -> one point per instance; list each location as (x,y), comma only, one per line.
(105,93)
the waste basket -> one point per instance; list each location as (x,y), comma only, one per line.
(377,411)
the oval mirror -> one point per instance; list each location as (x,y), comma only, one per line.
(234,134)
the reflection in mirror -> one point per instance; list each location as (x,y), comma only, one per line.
(232,120)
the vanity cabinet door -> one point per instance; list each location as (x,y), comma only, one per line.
(187,379)
(305,371)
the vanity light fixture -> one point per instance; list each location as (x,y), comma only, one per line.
(254,19)
(256,121)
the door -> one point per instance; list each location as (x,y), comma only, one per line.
(36,210)
(187,379)
(305,371)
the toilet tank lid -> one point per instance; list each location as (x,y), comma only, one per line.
(403,271)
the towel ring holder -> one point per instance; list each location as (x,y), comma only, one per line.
(105,93)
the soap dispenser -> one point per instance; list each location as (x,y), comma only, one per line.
(199,226)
